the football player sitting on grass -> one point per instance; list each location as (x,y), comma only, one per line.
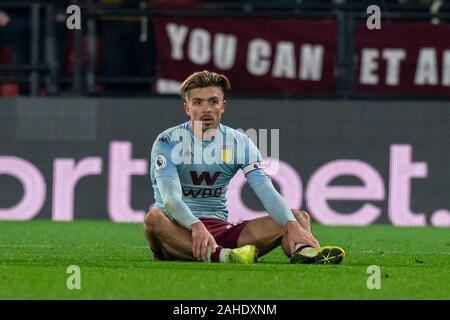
(191,166)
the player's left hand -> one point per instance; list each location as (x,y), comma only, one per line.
(296,234)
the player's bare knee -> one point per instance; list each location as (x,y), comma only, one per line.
(301,215)
(153,219)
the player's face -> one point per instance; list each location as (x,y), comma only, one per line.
(205,105)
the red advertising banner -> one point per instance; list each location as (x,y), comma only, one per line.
(258,55)
(411,58)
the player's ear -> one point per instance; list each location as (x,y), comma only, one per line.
(224,105)
(186,109)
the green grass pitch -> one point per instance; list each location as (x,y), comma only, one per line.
(115,263)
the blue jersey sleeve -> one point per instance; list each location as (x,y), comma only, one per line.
(262,185)
(161,162)
(273,202)
(164,170)
(171,194)
(253,165)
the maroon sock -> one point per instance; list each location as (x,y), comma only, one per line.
(215,256)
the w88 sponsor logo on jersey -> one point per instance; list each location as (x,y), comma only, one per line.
(202,192)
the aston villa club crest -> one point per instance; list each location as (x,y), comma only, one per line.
(227,154)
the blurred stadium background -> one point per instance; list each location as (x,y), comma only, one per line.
(363,114)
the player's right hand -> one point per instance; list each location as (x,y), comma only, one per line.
(201,241)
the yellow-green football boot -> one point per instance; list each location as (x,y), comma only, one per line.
(321,255)
(245,255)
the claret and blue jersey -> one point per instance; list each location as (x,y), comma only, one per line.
(204,168)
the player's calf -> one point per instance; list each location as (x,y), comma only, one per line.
(166,239)
(151,221)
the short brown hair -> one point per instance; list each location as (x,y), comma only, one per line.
(204,79)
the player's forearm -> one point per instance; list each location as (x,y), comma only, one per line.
(273,202)
(170,191)
(180,212)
